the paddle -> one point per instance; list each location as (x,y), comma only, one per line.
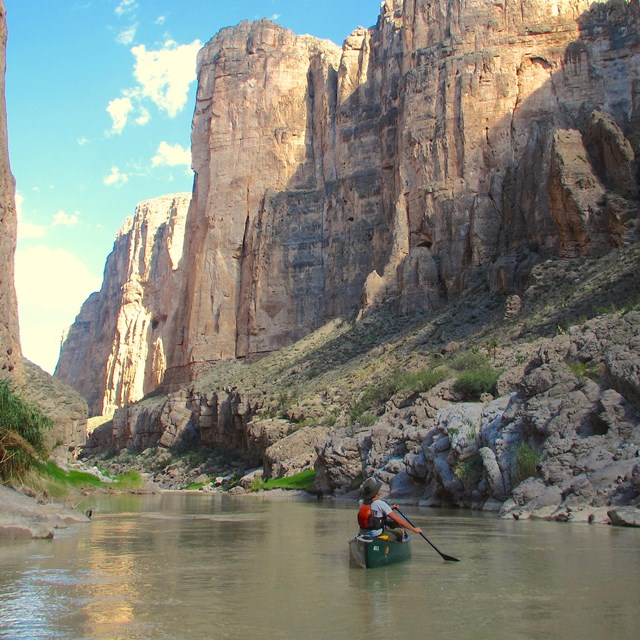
(444,556)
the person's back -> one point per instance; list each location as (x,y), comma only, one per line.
(376,517)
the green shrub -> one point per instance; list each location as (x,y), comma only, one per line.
(525,464)
(22,434)
(376,395)
(473,383)
(129,481)
(468,360)
(469,471)
(421,381)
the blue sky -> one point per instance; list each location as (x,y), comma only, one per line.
(100,95)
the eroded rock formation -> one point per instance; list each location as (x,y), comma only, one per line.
(116,350)
(449,144)
(10,362)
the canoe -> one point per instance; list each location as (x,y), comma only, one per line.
(369,553)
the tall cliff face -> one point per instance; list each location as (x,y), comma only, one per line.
(449,144)
(451,140)
(516,139)
(116,350)
(10,362)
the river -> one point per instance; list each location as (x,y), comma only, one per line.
(194,567)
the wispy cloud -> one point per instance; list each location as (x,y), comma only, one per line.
(27,230)
(128,35)
(60,218)
(171,155)
(116,178)
(119,110)
(126,7)
(166,74)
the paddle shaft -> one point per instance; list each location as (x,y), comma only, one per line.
(444,556)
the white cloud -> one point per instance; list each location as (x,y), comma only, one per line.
(119,110)
(115,178)
(143,117)
(165,75)
(171,155)
(27,230)
(65,219)
(275,16)
(125,7)
(164,78)
(127,36)
(51,285)
(82,141)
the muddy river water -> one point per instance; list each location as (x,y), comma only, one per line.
(193,566)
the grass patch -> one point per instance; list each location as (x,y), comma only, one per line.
(50,480)
(584,371)
(525,464)
(473,383)
(301,481)
(469,471)
(128,481)
(72,478)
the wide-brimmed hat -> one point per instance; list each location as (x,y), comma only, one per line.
(369,488)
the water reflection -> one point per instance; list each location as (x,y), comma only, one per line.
(196,566)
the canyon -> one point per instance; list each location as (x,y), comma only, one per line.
(456,178)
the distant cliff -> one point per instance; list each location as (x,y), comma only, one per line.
(10,364)
(449,145)
(115,351)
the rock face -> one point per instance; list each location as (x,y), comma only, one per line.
(563,439)
(10,360)
(116,350)
(447,141)
(448,144)
(66,408)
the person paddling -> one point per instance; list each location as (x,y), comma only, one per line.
(376,517)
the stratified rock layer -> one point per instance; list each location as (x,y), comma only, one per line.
(115,352)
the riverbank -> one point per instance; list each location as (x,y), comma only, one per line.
(30,517)
(23,516)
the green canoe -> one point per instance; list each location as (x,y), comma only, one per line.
(369,553)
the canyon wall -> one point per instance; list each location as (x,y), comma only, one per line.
(115,351)
(450,140)
(10,362)
(450,144)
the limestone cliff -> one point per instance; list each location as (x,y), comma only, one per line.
(449,145)
(450,140)
(10,362)
(115,352)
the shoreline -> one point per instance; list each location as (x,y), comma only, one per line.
(23,517)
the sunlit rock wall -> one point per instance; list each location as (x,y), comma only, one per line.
(116,350)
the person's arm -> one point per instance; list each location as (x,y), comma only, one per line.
(398,519)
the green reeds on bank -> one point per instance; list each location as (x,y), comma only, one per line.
(22,434)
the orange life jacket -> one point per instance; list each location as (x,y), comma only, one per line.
(367,520)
